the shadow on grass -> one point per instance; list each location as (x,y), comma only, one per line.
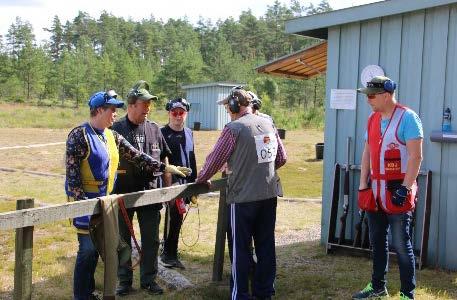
(311,160)
(304,271)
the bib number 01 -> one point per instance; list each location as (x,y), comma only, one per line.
(267,147)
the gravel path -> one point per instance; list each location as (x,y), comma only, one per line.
(312,233)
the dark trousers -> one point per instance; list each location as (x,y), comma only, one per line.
(246,221)
(86,263)
(380,223)
(173,225)
(149,220)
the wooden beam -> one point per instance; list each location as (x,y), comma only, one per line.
(280,63)
(308,71)
(309,61)
(314,63)
(221,231)
(48,214)
(289,75)
(23,257)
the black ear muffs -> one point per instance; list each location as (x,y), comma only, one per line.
(256,104)
(234,104)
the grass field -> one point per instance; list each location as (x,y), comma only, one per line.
(304,271)
(27,116)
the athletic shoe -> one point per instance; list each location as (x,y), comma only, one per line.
(369,293)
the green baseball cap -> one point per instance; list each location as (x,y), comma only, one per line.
(141,91)
(378,85)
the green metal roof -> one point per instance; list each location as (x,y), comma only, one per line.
(316,25)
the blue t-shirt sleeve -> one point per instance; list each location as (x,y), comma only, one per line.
(410,127)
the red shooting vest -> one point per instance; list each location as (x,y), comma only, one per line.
(388,159)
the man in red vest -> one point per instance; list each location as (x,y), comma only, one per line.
(391,159)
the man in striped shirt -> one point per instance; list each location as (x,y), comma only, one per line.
(253,152)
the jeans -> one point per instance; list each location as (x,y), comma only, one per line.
(149,220)
(86,263)
(380,223)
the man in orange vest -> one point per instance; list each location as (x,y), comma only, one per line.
(391,158)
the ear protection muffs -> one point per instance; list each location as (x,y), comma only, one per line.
(183,101)
(233,103)
(256,104)
(390,86)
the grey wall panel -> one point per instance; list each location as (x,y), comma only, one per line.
(370,36)
(193,116)
(222,113)
(390,48)
(410,88)
(449,165)
(431,107)
(211,108)
(411,60)
(390,51)
(204,107)
(330,131)
(348,79)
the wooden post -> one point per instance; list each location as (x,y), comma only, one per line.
(23,257)
(221,230)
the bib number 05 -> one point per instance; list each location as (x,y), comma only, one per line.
(267,147)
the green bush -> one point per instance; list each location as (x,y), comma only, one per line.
(296,119)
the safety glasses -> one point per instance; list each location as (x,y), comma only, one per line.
(373,96)
(176,113)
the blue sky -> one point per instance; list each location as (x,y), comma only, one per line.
(41,12)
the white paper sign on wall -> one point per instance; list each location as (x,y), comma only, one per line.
(343,99)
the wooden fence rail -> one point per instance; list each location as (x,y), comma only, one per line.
(26,217)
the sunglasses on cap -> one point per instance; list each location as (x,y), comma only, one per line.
(176,113)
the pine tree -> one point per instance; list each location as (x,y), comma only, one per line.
(57,38)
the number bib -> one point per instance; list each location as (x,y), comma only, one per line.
(267,147)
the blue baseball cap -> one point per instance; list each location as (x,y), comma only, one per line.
(101,98)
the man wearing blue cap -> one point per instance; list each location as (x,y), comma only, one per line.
(92,157)
(391,159)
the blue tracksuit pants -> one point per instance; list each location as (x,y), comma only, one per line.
(246,221)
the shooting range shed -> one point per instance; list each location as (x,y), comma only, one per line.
(204,109)
(415,43)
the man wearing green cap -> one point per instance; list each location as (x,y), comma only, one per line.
(92,156)
(391,159)
(146,137)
